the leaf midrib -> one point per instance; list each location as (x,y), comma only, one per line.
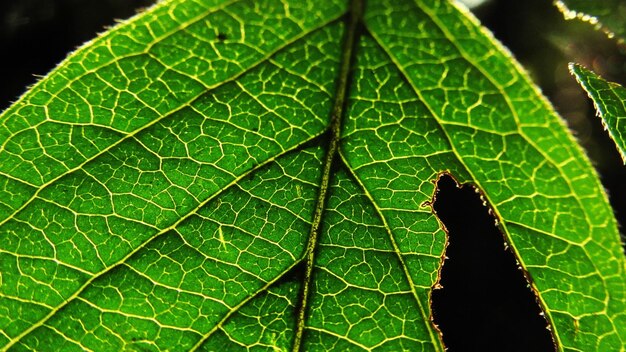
(349,47)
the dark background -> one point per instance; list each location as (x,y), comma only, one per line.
(485,304)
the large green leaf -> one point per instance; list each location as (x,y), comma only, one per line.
(607,15)
(222,175)
(609,99)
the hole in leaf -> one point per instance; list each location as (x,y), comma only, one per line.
(485,303)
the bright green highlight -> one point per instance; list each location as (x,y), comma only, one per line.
(158,189)
(607,15)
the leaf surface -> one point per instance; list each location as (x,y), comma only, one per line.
(223,175)
(608,99)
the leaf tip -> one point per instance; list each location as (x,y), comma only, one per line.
(576,69)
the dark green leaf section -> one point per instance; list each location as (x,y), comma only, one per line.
(608,99)
(160,185)
(609,15)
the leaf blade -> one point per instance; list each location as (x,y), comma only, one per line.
(518,138)
(202,245)
(608,99)
(140,153)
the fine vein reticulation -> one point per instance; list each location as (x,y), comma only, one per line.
(160,189)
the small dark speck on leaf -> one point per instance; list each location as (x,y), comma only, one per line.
(221,37)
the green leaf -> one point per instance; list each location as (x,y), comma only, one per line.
(224,175)
(608,99)
(608,15)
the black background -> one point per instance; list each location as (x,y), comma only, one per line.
(485,304)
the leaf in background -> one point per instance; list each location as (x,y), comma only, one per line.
(609,15)
(608,99)
(193,180)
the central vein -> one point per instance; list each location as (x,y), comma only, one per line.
(349,43)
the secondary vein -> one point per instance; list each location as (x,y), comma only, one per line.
(349,44)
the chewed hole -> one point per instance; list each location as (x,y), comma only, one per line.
(485,303)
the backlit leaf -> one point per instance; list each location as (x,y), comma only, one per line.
(608,99)
(225,175)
